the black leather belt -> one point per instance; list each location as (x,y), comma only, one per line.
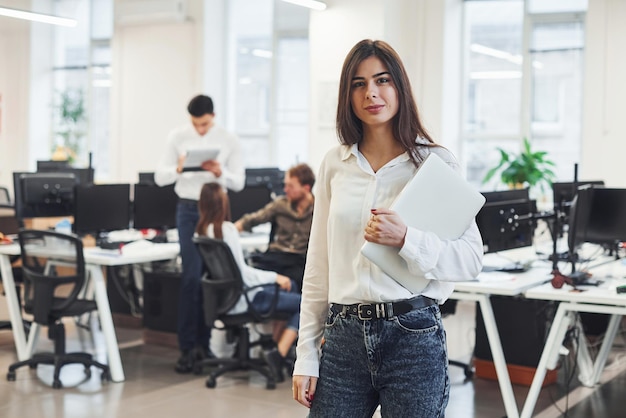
(384,310)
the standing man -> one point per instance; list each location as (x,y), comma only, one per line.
(226,169)
(291,216)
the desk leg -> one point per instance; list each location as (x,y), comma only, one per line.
(551,349)
(495,345)
(15,311)
(106,322)
(498,356)
(603,354)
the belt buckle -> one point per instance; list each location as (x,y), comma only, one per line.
(368,315)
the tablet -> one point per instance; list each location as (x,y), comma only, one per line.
(195,157)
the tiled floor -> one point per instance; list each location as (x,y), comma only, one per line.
(153,390)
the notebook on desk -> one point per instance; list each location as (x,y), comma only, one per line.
(437,199)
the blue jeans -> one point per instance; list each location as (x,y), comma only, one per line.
(400,363)
(192,330)
(288,302)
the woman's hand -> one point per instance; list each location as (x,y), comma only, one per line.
(386,228)
(304,389)
(283,282)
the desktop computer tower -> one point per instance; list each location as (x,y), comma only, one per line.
(523,326)
(122,291)
(160,300)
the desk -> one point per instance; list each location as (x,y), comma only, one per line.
(95,259)
(480,291)
(600,299)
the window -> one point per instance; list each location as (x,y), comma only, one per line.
(268,81)
(523,78)
(81,83)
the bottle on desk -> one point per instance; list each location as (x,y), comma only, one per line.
(64,226)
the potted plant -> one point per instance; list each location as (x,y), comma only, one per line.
(71,121)
(526,169)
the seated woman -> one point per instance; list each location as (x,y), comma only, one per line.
(214,210)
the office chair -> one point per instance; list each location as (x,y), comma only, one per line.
(222,287)
(54,274)
(449,308)
(5,198)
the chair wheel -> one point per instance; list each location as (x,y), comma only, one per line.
(57,384)
(197,369)
(11,376)
(210,382)
(469,373)
(105,376)
(88,372)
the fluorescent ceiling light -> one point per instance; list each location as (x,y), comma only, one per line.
(38,17)
(492,52)
(485,50)
(311,4)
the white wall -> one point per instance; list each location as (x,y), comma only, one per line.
(604,127)
(332,33)
(156,71)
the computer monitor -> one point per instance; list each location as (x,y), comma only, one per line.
(154,207)
(52,165)
(44,195)
(83,176)
(101,208)
(250,199)
(597,215)
(506,225)
(271,177)
(146,177)
(506,195)
(564,192)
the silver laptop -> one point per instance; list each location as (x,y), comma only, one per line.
(437,199)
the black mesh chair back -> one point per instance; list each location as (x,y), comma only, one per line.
(222,288)
(54,274)
(53,268)
(222,282)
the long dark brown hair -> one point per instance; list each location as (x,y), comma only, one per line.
(214,208)
(407,126)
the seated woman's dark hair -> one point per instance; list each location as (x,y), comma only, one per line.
(214,208)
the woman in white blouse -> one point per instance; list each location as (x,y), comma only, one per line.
(383,345)
(214,222)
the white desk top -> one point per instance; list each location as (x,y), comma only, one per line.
(515,284)
(164,251)
(10,249)
(603,294)
(612,275)
(95,255)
